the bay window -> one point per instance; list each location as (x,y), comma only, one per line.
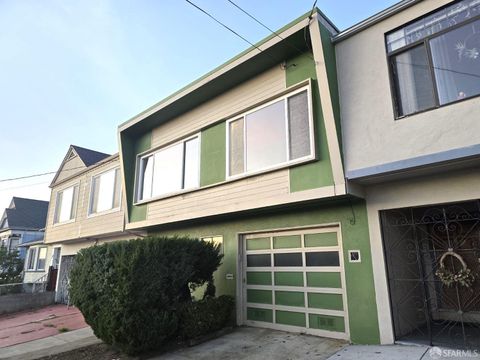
(32,254)
(42,258)
(435,60)
(66,205)
(275,134)
(105,192)
(169,170)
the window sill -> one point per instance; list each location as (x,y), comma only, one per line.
(65,222)
(436,107)
(105,212)
(229,180)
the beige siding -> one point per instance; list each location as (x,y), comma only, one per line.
(83,226)
(371,135)
(233,101)
(218,199)
(70,167)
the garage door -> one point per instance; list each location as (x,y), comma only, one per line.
(294,281)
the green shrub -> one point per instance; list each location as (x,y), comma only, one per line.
(205,316)
(130,291)
(11,266)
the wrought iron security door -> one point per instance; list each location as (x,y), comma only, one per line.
(433,264)
(64,279)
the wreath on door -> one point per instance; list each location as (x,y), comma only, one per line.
(463,277)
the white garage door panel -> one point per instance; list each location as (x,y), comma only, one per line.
(294,281)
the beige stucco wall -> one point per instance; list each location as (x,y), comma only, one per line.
(371,135)
(449,187)
(84,225)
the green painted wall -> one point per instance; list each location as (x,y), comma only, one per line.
(132,146)
(359,276)
(331,65)
(213,155)
(318,173)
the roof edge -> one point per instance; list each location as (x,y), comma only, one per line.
(374,19)
(87,169)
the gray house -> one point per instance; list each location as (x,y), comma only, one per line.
(22,222)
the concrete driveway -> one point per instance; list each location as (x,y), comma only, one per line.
(259,344)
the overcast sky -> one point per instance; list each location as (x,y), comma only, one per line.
(71,71)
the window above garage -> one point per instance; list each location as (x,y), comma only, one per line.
(435,60)
(272,135)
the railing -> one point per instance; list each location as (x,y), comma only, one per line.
(37,286)
(40,284)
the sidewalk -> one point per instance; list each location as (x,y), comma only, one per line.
(401,352)
(39,323)
(50,345)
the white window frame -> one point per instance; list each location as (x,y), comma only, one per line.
(139,169)
(29,258)
(284,164)
(90,196)
(38,258)
(73,202)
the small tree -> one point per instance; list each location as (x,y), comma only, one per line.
(10,266)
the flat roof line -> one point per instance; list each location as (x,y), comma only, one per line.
(374,19)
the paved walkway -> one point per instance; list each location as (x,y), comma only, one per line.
(402,352)
(31,325)
(50,345)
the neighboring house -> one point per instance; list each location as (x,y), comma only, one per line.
(250,154)
(409,85)
(22,222)
(41,264)
(86,209)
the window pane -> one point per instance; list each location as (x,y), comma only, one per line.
(192,162)
(456,61)
(299,128)
(147,177)
(236,161)
(117,192)
(259,260)
(266,137)
(42,256)
(413,81)
(56,257)
(73,211)
(106,184)
(95,190)
(288,259)
(58,207)
(326,258)
(31,259)
(66,204)
(168,170)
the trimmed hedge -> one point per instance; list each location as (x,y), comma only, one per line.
(136,294)
(205,316)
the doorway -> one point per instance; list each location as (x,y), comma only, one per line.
(433,264)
